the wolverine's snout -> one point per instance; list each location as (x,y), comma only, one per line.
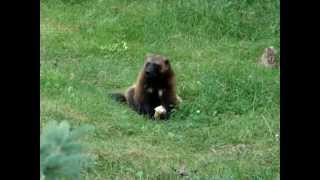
(152,70)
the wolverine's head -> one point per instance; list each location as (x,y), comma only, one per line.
(156,67)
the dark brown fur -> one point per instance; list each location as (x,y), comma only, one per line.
(155,86)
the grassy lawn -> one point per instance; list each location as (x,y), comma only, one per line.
(227,125)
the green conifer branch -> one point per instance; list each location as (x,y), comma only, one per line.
(62,155)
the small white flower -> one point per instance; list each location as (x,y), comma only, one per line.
(103,47)
(125,45)
(198,111)
(171,134)
(71,76)
(70,89)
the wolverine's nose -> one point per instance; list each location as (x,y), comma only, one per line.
(148,73)
(151,70)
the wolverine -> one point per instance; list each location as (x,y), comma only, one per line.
(154,87)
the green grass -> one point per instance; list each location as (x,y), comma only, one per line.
(214,47)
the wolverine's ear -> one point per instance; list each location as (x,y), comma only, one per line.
(166,61)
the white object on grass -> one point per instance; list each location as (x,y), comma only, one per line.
(159,111)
